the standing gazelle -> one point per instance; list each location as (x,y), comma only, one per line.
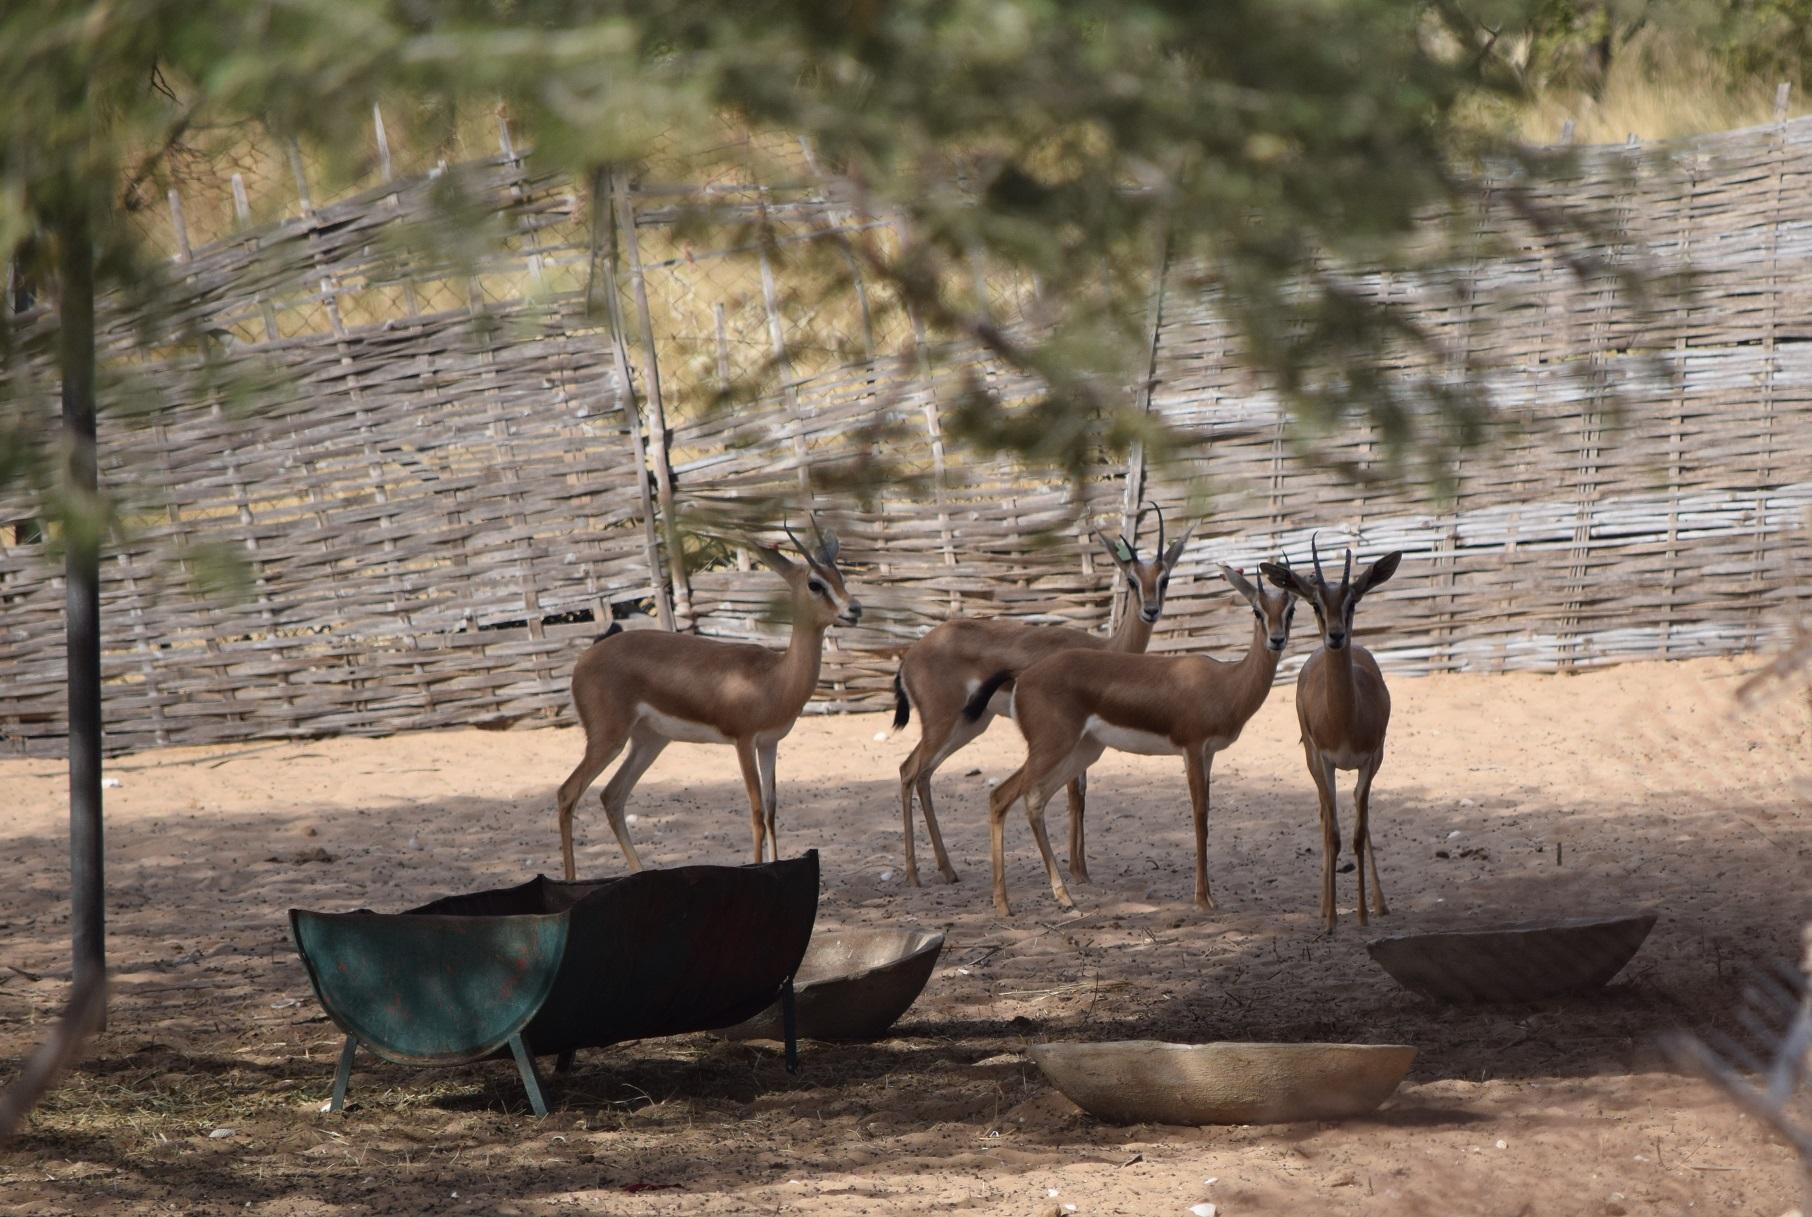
(1073,706)
(942,670)
(646,689)
(1344,710)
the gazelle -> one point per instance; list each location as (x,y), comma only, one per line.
(943,669)
(646,689)
(1344,710)
(1073,706)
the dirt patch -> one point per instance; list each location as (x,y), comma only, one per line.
(1661,795)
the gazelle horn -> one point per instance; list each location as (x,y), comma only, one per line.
(1346,576)
(1315,556)
(826,556)
(797,543)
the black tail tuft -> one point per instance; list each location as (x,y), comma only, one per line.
(902,709)
(614,629)
(973,709)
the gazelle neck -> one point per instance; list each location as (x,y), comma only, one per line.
(1134,632)
(1253,673)
(1337,681)
(799,665)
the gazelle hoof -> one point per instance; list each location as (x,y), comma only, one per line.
(950,876)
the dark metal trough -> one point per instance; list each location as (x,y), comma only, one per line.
(551,967)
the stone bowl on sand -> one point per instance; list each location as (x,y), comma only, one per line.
(1149,1082)
(1513,963)
(852,985)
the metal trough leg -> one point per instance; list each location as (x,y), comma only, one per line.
(789,1026)
(531,1080)
(343,1075)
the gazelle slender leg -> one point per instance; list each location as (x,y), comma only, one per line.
(1323,773)
(751,780)
(937,838)
(1197,764)
(957,736)
(1005,795)
(1035,804)
(765,754)
(909,776)
(644,747)
(600,750)
(1078,793)
(1363,853)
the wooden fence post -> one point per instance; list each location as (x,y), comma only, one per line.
(603,192)
(934,433)
(789,383)
(1777,156)
(657,413)
(841,218)
(1135,456)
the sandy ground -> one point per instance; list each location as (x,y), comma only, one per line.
(1663,795)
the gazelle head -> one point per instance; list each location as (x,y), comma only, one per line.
(1273,607)
(819,596)
(1333,603)
(1147,578)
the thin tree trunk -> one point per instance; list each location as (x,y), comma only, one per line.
(82,531)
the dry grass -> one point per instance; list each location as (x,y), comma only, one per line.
(1654,91)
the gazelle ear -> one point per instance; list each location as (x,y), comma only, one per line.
(1377,573)
(1240,583)
(773,559)
(828,548)
(1286,578)
(1118,548)
(1172,554)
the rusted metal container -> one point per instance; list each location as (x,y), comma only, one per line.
(551,966)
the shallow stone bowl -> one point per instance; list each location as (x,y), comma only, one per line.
(852,985)
(1150,1082)
(1514,963)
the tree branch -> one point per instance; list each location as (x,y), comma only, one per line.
(80,1019)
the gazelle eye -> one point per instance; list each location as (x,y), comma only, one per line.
(816,587)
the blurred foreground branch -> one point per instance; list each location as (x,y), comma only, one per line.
(87,1003)
(1769,1099)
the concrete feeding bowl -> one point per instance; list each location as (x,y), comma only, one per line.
(1514,963)
(852,985)
(1149,1082)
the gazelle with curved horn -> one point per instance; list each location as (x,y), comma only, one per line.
(647,688)
(1344,710)
(1074,706)
(942,670)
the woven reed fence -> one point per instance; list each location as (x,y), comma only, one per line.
(471,469)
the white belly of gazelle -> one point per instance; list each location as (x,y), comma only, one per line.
(683,730)
(1127,739)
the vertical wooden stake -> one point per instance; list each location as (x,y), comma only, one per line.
(934,432)
(1135,457)
(783,363)
(180,226)
(723,348)
(605,196)
(383,142)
